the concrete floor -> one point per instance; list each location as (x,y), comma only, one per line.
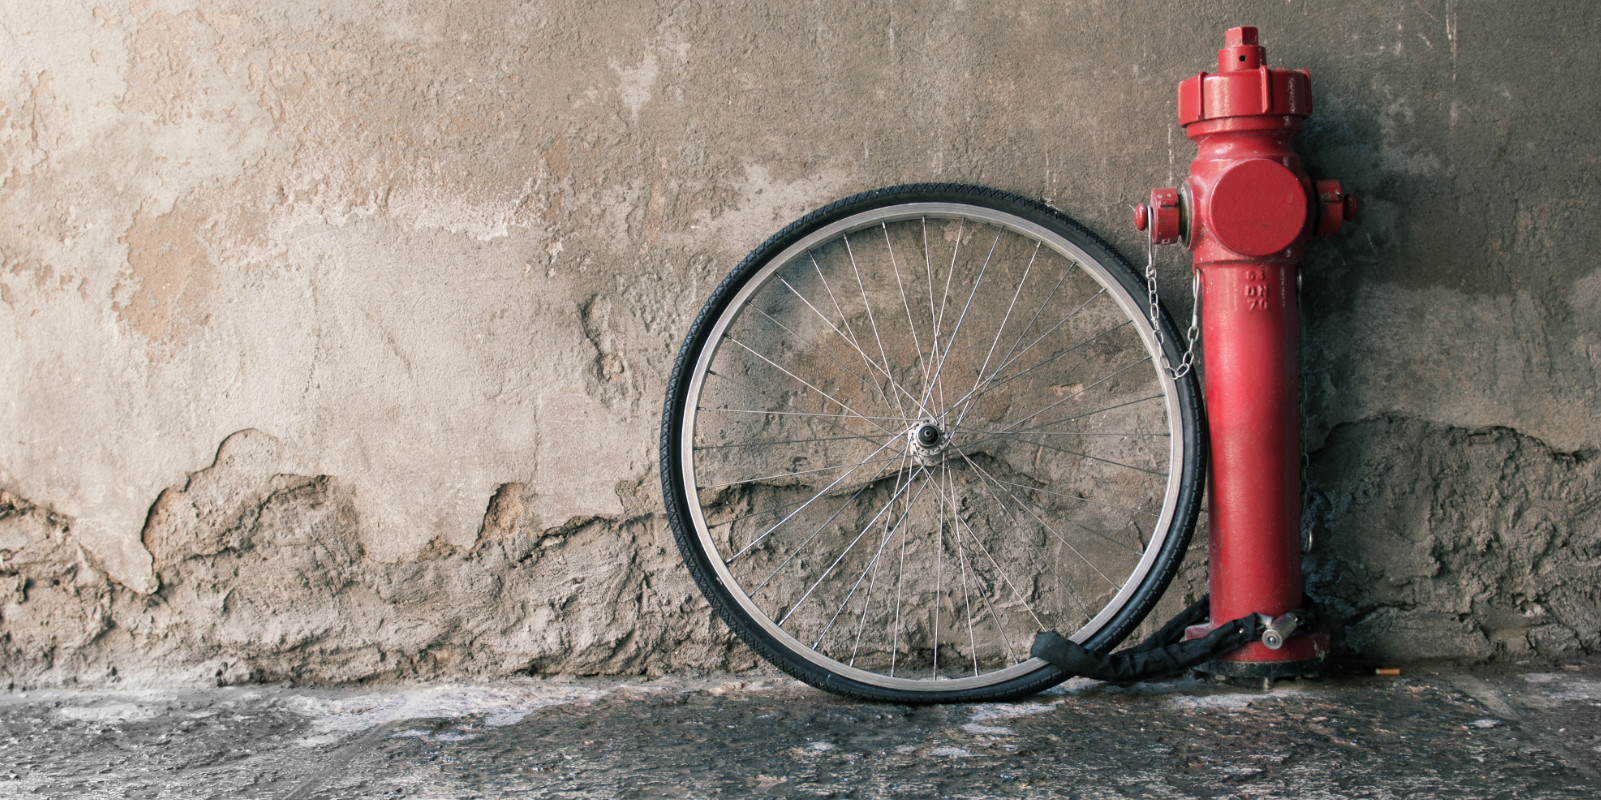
(1456,734)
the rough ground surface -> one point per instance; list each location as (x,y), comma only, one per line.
(1455,735)
(333,334)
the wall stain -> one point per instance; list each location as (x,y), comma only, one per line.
(171,265)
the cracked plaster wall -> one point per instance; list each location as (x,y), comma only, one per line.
(332,335)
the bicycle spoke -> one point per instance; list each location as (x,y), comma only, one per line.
(1002,573)
(844,319)
(945,294)
(1000,628)
(1014,429)
(870,566)
(1037,432)
(851,340)
(911,326)
(855,341)
(967,398)
(808,385)
(1066,271)
(772,442)
(826,420)
(867,604)
(895,638)
(850,547)
(979,378)
(1093,532)
(1085,415)
(778,509)
(939,576)
(1054,532)
(803,545)
(766,478)
(1054,571)
(978,281)
(814,498)
(767,411)
(1012,358)
(830,356)
(961,555)
(1079,499)
(933,316)
(757,589)
(1065,451)
(872,321)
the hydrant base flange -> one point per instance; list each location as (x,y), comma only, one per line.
(1306,652)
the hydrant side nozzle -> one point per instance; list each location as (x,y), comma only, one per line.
(1334,207)
(1163,216)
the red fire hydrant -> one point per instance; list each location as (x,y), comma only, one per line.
(1246,213)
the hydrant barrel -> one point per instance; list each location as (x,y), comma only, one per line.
(1247,210)
(1249,326)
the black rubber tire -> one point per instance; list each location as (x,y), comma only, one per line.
(678,500)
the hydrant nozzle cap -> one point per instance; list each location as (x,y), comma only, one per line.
(1162,217)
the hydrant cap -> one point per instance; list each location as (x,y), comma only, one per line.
(1244,86)
(1257,207)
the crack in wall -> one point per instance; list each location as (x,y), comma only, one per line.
(1445,543)
(263,577)
(1434,543)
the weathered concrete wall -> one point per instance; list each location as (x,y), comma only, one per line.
(332,336)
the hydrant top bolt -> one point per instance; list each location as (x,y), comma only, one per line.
(1240,51)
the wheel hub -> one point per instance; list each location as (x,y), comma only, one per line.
(928,441)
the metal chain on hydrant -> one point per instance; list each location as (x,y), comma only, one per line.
(1194,333)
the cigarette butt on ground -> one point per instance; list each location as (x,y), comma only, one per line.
(1387,671)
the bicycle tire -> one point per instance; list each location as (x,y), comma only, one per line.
(880,333)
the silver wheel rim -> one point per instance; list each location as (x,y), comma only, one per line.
(904,410)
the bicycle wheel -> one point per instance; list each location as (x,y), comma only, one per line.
(920,425)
